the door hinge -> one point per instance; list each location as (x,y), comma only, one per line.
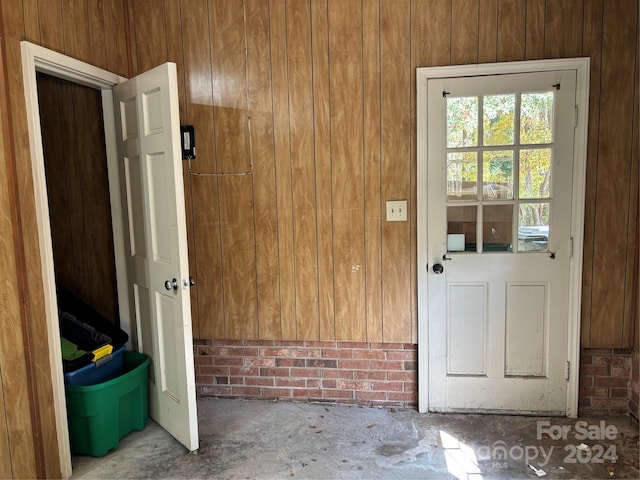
(568,372)
(570,247)
(575,117)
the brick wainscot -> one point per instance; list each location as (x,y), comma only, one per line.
(360,373)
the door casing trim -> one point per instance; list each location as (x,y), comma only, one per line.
(581,66)
(39,59)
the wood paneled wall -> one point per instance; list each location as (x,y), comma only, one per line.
(316,100)
(78,190)
(96,32)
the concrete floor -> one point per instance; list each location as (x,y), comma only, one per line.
(258,439)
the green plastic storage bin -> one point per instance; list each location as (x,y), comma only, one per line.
(100,415)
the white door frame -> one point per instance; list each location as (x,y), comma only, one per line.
(39,59)
(581,67)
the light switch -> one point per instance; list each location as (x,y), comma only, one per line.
(396,210)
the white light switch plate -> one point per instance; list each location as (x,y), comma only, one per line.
(396,210)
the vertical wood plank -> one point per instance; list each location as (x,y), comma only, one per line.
(592,43)
(303,168)
(464,32)
(372,181)
(130,37)
(511,30)
(150,34)
(51,32)
(613,182)
(115,29)
(97,37)
(31,21)
(5,448)
(262,158)
(346,108)
(488,31)
(75,27)
(395,157)
(563,27)
(322,146)
(280,81)
(431,20)
(534,41)
(199,112)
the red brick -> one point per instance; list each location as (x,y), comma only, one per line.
(411,365)
(586,381)
(290,362)
(199,341)
(260,362)
(353,385)
(276,392)
(236,380)
(204,379)
(621,360)
(329,384)
(609,402)
(601,360)
(214,370)
(594,392)
(200,360)
(387,365)
(610,382)
(594,370)
(370,375)
(348,374)
(336,353)
(290,382)
(370,354)
(331,393)
(244,352)
(360,395)
(619,392)
(353,345)
(404,355)
(259,381)
(246,391)
(236,361)
(305,352)
(258,343)
(584,402)
(274,352)
(313,383)
(387,386)
(307,392)
(411,346)
(306,372)
(321,363)
(386,346)
(290,343)
(320,344)
(274,372)
(597,351)
(403,376)
(410,387)
(216,390)
(620,371)
(354,364)
(250,371)
(222,380)
(586,359)
(402,396)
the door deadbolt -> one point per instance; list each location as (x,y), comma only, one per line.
(438,268)
(172,284)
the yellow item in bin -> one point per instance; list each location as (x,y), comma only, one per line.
(102,351)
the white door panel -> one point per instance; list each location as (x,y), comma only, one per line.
(147,124)
(498,308)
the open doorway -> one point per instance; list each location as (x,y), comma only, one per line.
(142,148)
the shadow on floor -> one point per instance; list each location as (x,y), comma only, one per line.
(262,440)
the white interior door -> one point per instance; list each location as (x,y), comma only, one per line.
(499,197)
(149,159)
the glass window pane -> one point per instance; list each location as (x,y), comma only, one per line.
(497,119)
(497,228)
(462,122)
(533,227)
(497,174)
(535,173)
(462,176)
(461,228)
(536,118)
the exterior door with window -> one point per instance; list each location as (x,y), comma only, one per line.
(499,203)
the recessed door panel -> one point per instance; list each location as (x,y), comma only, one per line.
(466,329)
